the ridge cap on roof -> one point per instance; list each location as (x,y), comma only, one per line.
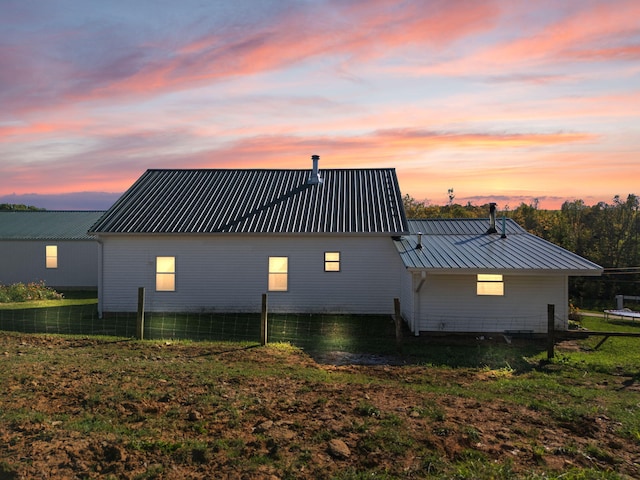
(515,229)
(257,169)
(429,219)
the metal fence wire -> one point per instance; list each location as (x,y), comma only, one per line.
(309,331)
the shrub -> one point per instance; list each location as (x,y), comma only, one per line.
(21,292)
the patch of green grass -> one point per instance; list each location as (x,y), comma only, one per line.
(286,347)
(615,356)
(575,473)
(366,409)
(594,451)
(472,434)
(433,411)
(153,471)
(356,474)
(231,447)
(88,423)
(63,302)
(472,464)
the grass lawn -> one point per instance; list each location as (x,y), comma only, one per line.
(615,355)
(112,407)
(72,297)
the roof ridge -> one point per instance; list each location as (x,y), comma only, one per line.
(261,169)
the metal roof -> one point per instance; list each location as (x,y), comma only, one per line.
(259,201)
(456,245)
(462,226)
(47,225)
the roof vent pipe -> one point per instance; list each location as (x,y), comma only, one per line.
(315,177)
(492,219)
(419,245)
(504,227)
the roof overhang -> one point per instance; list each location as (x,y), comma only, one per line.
(514,272)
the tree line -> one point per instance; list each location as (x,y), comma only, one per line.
(15,207)
(605,233)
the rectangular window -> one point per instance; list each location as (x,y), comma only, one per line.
(165,274)
(51,253)
(490,284)
(278,273)
(331,261)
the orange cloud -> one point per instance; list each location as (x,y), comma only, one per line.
(577,36)
(422,139)
(17,132)
(553,176)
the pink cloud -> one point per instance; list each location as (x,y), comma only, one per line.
(118,66)
(11,133)
(602,23)
(595,31)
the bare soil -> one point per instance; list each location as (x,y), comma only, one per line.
(65,413)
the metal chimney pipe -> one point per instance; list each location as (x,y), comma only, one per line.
(419,245)
(492,219)
(315,174)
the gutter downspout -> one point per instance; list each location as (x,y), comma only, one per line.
(100,280)
(416,304)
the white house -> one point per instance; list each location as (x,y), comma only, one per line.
(330,241)
(216,240)
(49,246)
(469,275)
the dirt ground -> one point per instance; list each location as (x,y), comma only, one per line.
(266,425)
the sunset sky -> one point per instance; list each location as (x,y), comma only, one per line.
(504,101)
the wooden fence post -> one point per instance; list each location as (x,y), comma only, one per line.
(551,331)
(140,317)
(263,321)
(398,320)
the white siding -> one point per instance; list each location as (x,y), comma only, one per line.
(229,273)
(24,261)
(448,303)
(408,300)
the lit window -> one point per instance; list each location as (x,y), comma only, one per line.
(165,274)
(331,261)
(51,256)
(490,284)
(278,273)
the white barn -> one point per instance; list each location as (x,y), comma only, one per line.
(216,240)
(466,275)
(331,241)
(49,246)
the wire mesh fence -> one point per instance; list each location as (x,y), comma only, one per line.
(495,323)
(309,331)
(70,319)
(312,332)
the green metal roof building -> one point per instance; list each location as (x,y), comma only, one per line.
(49,246)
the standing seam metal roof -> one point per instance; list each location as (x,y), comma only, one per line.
(47,224)
(463,244)
(259,201)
